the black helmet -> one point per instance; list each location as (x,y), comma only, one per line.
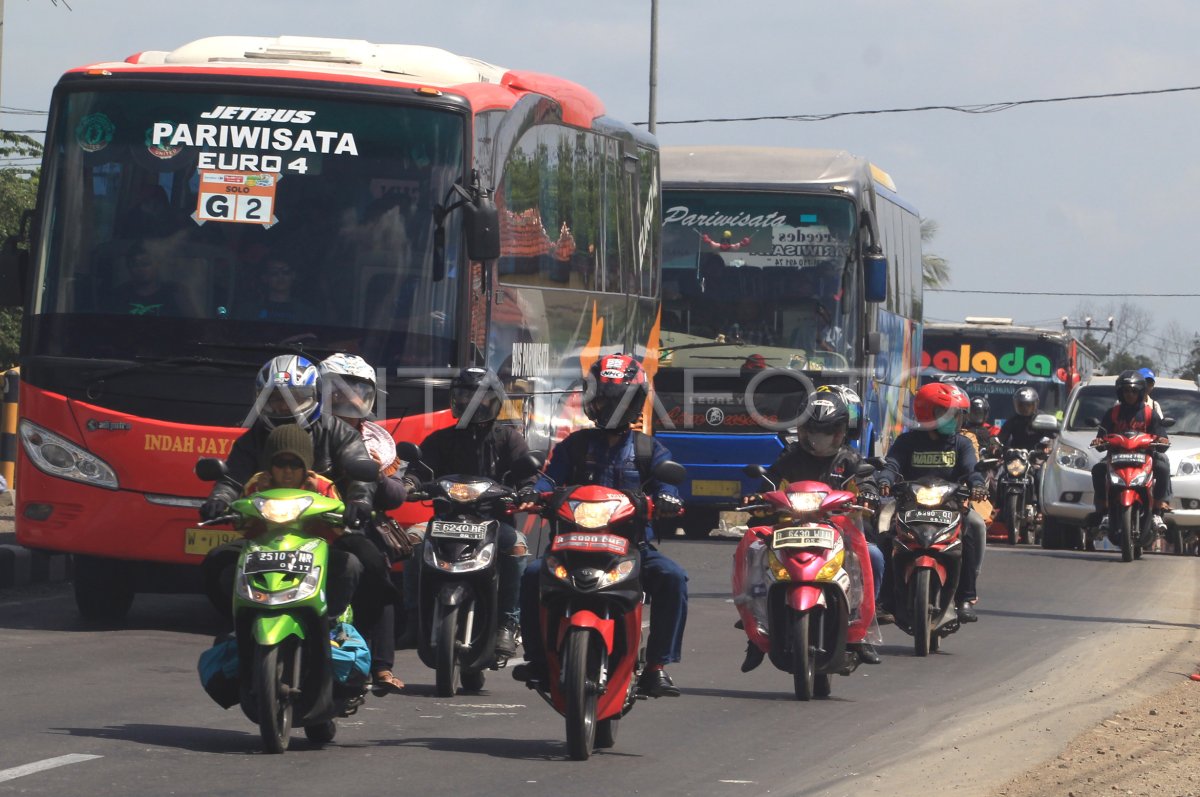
(477,395)
(980,411)
(1025,401)
(824,430)
(1134,380)
(616,391)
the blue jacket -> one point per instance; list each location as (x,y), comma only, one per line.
(609,466)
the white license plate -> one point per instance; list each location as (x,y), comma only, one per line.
(448,529)
(1128,459)
(804,537)
(941,516)
(278,562)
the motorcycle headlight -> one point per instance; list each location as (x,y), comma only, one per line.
(1189,466)
(1015,467)
(305,589)
(1139,480)
(482,558)
(57,456)
(1072,458)
(281,510)
(806,502)
(593,514)
(932,496)
(832,567)
(463,492)
(618,573)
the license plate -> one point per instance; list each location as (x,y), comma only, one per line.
(804,537)
(448,529)
(941,516)
(718,489)
(1128,459)
(592,543)
(278,562)
(201,541)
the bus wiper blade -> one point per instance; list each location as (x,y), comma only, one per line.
(168,362)
(282,347)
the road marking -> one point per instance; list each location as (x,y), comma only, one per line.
(42,766)
(735,781)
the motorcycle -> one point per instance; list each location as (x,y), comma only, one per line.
(1130,483)
(927,559)
(285,665)
(800,597)
(591,607)
(1016,491)
(458,578)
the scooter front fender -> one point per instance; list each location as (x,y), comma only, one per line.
(588,619)
(1127,498)
(805,597)
(927,562)
(271,629)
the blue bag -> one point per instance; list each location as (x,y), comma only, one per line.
(218,667)
(351,655)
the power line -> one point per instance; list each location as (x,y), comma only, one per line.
(1068,293)
(978,108)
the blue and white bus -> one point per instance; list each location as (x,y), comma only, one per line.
(783,269)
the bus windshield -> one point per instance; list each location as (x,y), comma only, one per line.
(179,216)
(769,270)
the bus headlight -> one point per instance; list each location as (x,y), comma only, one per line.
(57,456)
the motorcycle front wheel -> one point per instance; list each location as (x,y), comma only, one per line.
(804,659)
(275,674)
(446,655)
(1125,528)
(922,628)
(581,698)
(1013,512)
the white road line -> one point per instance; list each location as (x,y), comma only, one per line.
(42,766)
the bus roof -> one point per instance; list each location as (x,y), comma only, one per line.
(357,61)
(767,167)
(996,330)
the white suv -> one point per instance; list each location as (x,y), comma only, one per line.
(1067,479)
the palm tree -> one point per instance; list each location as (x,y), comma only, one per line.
(935,270)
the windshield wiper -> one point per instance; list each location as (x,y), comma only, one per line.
(288,346)
(167,362)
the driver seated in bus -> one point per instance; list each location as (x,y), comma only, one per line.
(145,292)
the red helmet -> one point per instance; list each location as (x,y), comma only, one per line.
(938,405)
(617,388)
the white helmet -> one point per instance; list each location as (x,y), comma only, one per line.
(350,381)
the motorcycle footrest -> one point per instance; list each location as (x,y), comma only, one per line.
(949,628)
(850,662)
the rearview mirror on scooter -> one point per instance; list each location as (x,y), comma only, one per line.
(209,469)
(754,470)
(670,472)
(409,452)
(527,465)
(362,470)
(1167,423)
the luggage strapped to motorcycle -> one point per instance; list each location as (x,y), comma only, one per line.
(643,454)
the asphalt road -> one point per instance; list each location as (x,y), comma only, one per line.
(1064,639)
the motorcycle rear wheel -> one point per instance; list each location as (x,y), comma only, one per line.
(581,701)
(446,655)
(804,659)
(922,628)
(321,733)
(1125,529)
(273,676)
(606,733)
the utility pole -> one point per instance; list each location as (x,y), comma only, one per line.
(653,64)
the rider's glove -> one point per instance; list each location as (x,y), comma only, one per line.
(528,495)
(752,499)
(978,493)
(213,508)
(869,499)
(356,515)
(668,505)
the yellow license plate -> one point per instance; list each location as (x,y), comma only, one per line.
(723,489)
(201,541)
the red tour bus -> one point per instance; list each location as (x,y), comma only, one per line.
(204,209)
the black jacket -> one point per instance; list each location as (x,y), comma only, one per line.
(917,454)
(335,445)
(475,450)
(795,465)
(1018,432)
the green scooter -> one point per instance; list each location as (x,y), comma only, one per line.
(285,666)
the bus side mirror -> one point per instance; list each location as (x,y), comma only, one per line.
(875,267)
(483,228)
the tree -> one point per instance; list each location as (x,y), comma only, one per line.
(935,269)
(1129,340)
(1191,369)
(18,193)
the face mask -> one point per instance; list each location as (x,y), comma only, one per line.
(948,426)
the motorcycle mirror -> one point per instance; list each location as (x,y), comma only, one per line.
(754,471)
(409,452)
(362,470)
(1092,421)
(670,472)
(986,464)
(1045,422)
(209,469)
(864,471)
(1167,423)
(528,465)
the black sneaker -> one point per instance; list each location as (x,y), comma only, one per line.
(884,617)
(867,652)
(529,672)
(966,613)
(656,683)
(754,657)
(506,640)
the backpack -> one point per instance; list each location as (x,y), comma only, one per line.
(643,454)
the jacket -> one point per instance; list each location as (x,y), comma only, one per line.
(917,454)
(796,464)
(476,451)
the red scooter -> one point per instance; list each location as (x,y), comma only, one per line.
(591,607)
(800,597)
(1131,491)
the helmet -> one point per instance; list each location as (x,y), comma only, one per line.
(1148,375)
(852,401)
(980,411)
(289,391)
(1025,401)
(939,407)
(476,395)
(617,385)
(351,385)
(824,430)
(1134,380)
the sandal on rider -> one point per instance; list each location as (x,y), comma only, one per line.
(385,682)
(1163,508)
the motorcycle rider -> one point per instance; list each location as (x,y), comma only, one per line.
(350,384)
(1160,457)
(936,448)
(608,455)
(1018,431)
(1133,412)
(821,454)
(289,392)
(478,446)
(978,427)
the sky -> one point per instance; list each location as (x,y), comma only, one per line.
(1096,195)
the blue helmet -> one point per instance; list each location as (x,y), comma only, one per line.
(289,391)
(1147,374)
